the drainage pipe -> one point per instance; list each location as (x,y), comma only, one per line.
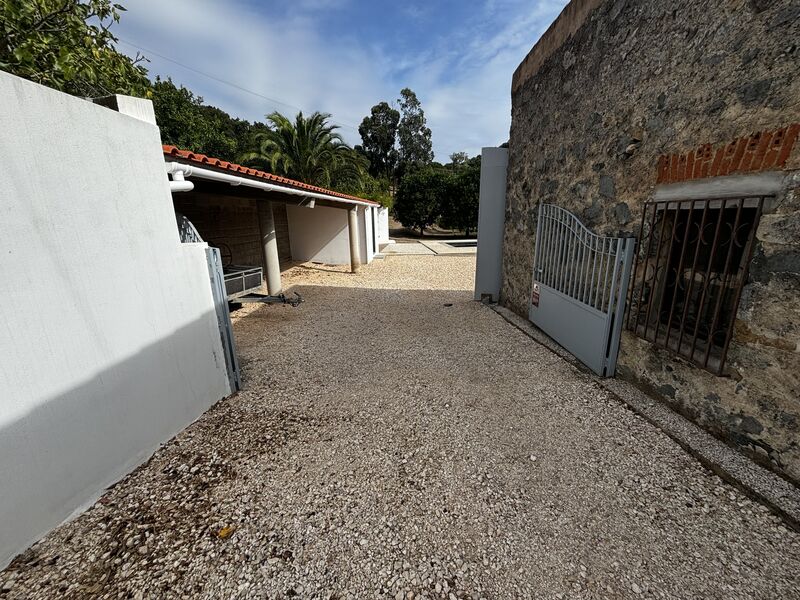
(192,171)
(179,184)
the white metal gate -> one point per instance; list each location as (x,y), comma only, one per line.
(215,274)
(579,287)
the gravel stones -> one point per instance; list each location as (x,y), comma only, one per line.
(383,446)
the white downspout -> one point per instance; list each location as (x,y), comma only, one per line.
(179,184)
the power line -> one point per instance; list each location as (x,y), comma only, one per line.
(223,81)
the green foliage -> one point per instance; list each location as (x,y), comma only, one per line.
(189,124)
(416,148)
(459,205)
(68,45)
(444,194)
(378,190)
(379,134)
(308,149)
(419,197)
(458,158)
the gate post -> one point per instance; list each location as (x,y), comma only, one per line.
(626,256)
(491,223)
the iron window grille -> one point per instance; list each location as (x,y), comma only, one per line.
(691,266)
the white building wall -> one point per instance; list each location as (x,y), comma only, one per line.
(319,234)
(108,337)
(382,226)
(365,232)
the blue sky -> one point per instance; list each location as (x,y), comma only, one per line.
(343,56)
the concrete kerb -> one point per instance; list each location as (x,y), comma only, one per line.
(762,485)
(440,248)
(428,247)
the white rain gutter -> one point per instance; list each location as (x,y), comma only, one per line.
(184,170)
(179,184)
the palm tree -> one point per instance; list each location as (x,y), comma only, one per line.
(308,150)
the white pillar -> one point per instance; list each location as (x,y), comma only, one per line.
(491,224)
(269,243)
(352,229)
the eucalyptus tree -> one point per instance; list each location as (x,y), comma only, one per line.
(379,138)
(414,136)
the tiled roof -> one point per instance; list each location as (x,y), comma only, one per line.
(202,159)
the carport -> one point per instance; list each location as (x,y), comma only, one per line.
(261,220)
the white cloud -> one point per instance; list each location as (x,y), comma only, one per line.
(464,81)
(288,60)
(473,109)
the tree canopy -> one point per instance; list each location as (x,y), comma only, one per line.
(379,137)
(419,196)
(308,149)
(414,136)
(459,206)
(188,123)
(447,195)
(68,45)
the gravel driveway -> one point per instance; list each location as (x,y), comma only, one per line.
(396,439)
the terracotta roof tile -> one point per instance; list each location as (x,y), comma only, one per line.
(202,159)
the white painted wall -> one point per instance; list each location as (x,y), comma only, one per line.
(365,234)
(491,221)
(318,234)
(108,337)
(382,227)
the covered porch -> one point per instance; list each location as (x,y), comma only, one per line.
(262,221)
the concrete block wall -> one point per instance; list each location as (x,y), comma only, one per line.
(231,223)
(617,99)
(227,222)
(109,341)
(282,234)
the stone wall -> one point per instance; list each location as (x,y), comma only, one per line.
(632,81)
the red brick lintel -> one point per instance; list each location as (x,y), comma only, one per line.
(756,152)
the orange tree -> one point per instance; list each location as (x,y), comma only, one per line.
(68,45)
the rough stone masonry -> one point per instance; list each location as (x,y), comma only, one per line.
(613,100)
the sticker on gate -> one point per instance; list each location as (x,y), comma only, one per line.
(535,295)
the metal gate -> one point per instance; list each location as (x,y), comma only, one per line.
(579,287)
(217,278)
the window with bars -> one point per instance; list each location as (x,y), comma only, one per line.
(691,265)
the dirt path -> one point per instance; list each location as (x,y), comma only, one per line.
(396,439)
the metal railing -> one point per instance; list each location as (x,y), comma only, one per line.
(186,230)
(241,280)
(691,266)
